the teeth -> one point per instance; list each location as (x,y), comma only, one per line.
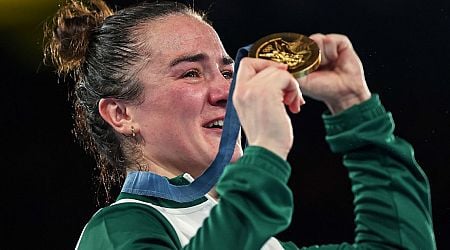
(215,123)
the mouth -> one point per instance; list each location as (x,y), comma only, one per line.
(215,124)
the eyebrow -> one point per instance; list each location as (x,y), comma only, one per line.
(227,60)
(198,57)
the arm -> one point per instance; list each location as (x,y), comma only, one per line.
(255,203)
(392,203)
(243,219)
(391,192)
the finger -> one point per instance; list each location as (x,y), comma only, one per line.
(313,82)
(318,38)
(248,67)
(293,97)
(336,44)
(274,78)
(298,101)
(342,42)
(294,101)
(331,45)
(265,83)
(282,84)
(304,81)
(330,50)
(290,97)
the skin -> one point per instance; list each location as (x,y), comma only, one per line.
(186,83)
(339,83)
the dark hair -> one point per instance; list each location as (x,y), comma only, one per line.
(100,50)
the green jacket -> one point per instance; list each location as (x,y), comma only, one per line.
(391,197)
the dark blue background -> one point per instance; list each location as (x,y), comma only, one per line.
(404,47)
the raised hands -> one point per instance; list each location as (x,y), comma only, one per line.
(339,82)
(263,89)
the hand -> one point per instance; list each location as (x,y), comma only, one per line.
(339,82)
(263,88)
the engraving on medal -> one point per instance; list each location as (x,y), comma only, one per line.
(300,53)
(293,54)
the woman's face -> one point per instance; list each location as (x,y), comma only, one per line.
(186,82)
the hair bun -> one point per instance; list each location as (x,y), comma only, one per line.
(67,35)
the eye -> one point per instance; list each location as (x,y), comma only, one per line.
(227,74)
(191,74)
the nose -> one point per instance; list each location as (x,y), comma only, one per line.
(218,91)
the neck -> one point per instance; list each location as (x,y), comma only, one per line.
(160,169)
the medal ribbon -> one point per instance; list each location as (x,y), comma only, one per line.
(150,184)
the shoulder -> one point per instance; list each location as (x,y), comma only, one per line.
(127,213)
(126,224)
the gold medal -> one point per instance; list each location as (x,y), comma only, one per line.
(299,52)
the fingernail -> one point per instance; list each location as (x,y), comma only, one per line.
(302,101)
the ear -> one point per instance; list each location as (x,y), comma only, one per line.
(116,114)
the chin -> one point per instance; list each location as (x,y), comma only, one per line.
(238,152)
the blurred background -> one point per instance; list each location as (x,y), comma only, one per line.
(405,50)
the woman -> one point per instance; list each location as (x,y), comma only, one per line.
(151,86)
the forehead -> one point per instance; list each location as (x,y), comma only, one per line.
(176,35)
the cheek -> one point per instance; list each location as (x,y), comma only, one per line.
(187,100)
(175,103)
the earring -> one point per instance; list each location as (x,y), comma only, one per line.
(133,133)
